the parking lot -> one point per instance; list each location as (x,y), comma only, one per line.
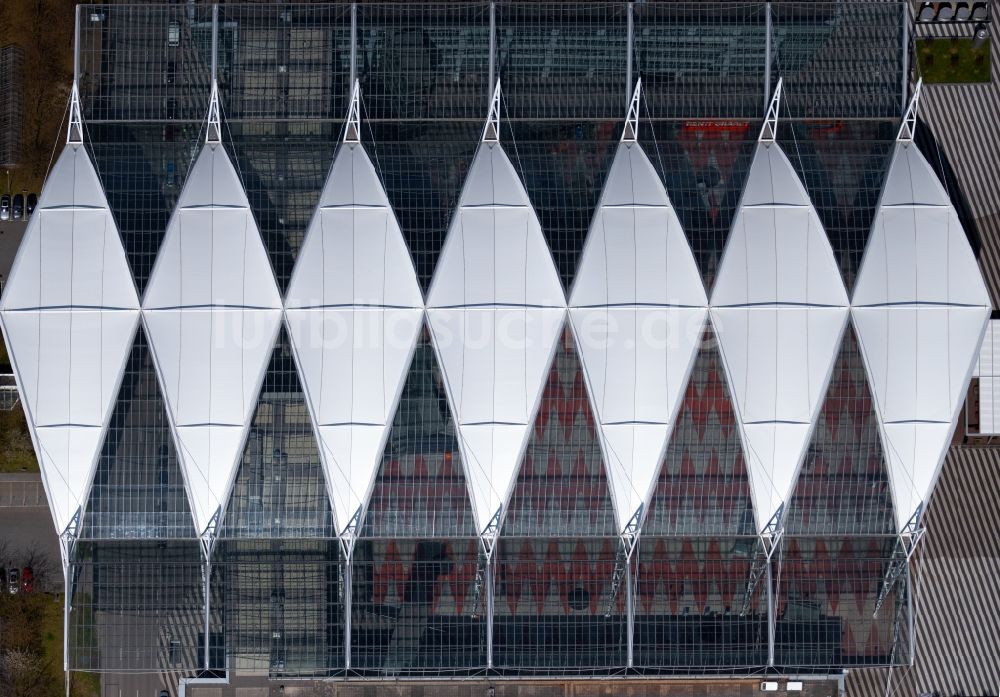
(27,537)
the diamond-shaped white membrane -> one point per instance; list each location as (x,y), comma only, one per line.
(69,312)
(638,310)
(495,309)
(354,312)
(212,312)
(920,309)
(779,309)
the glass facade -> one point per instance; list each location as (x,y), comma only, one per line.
(413,592)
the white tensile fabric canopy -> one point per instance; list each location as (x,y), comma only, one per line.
(354,312)
(212,313)
(495,309)
(920,309)
(638,309)
(779,309)
(69,314)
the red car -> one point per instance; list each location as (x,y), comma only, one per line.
(27,579)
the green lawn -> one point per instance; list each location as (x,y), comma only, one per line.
(33,627)
(945,61)
(16,453)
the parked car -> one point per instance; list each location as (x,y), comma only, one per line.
(13,581)
(17,210)
(30,206)
(5,207)
(174,34)
(27,579)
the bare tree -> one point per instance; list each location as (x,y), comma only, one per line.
(24,674)
(42,567)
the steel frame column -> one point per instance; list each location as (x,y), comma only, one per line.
(76,45)
(207,545)
(347,581)
(905,78)
(911,622)
(771,619)
(215,41)
(67,547)
(490,571)
(493,48)
(767,53)
(633,569)
(354,43)
(629,43)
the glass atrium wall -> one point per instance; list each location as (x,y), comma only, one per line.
(414,597)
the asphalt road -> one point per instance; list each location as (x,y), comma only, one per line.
(10,238)
(27,531)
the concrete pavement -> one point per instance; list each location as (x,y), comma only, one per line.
(22,489)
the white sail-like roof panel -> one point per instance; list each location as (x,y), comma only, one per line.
(779,359)
(72,183)
(495,308)
(495,253)
(920,308)
(212,253)
(69,313)
(212,311)
(69,364)
(212,360)
(213,182)
(352,453)
(209,455)
(353,363)
(637,358)
(910,180)
(211,364)
(632,180)
(353,252)
(638,313)
(779,308)
(777,251)
(914,452)
(354,311)
(770,449)
(772,180)
(633,452)
(492,180)
(62,456)
(491,453)
(637,363)
(637,256)
(71,254)
(927,383)
(918,253)
(496,359)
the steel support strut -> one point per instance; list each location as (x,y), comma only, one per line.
(207,541)
(485,570)
(67,547)
(347,539)
(906,544)
(768,540)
